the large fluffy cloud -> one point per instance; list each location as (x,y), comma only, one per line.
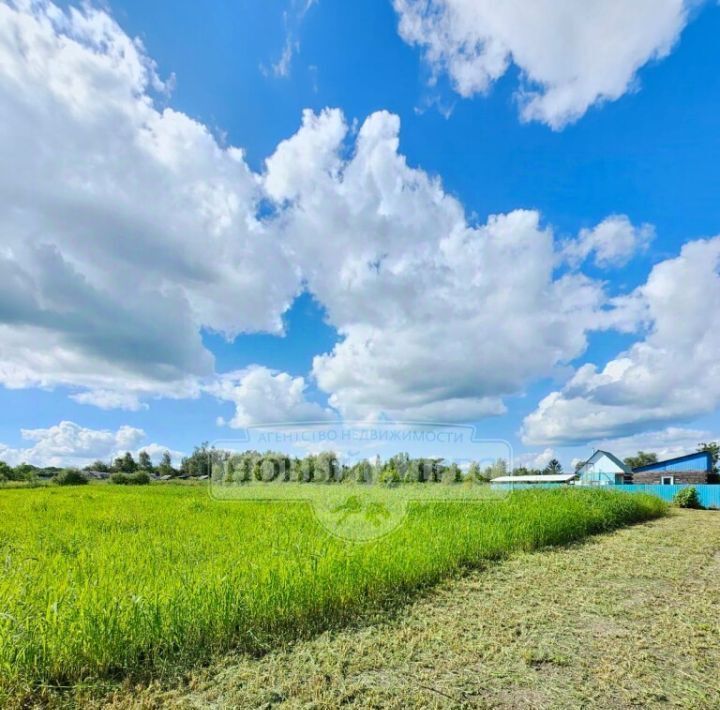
(262,396)
(570,54)
(439,318)
(69,444)
(671,374)
(126,227)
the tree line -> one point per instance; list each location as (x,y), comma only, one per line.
(227,466)
(125,464)
(250,466)
(231,467)
(325,467)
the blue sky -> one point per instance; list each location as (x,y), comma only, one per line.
(217,323)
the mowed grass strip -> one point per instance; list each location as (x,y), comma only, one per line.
(105,582)
(625,620)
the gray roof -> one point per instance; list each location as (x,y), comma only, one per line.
(98,474)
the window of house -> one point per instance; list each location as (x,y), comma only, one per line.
(667,480)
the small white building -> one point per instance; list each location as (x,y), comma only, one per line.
(543,479)
(603,469)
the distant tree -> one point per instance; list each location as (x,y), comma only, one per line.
(271,466)
(97,466)
(26,472)
(521,471)
(437,469)
(414,472)
(263,469)
(165,467)
(642,458)
(361,472)
(327,467)
(145,462)
(6,472)
(199,463)
(49,471)
(23,472)
(237,469)
(389,473)
(452,474)
(713,448)
(296,470)
(553,468)
(243,472)
(307,466)
(474,472)
(70,477)
(402,465)
(497,469)
(125,463)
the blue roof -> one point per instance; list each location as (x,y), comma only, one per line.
(697,456)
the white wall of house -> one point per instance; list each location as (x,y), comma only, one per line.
(599,469)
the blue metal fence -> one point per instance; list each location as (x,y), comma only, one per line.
(709,495)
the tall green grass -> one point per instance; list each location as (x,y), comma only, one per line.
(102,582)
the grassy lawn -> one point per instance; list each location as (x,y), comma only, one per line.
(628,619)
(105,583)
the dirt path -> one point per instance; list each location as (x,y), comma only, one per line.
(624,620)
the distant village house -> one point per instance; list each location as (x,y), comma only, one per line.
(694,468)
(605,469)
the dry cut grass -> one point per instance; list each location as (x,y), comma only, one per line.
(624,620)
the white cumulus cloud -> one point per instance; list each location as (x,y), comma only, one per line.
(570,55)
(126,227)
(69,444)
(612,243)
(439,318)
(129,228)
(673,373)
(262,396)
(536,459)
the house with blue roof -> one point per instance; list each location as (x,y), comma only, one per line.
(694,468)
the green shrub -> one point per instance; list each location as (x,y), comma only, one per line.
(687,498)
(389,475)
(139,478)
(452,474)
(70,477)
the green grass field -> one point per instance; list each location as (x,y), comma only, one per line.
(104,582)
